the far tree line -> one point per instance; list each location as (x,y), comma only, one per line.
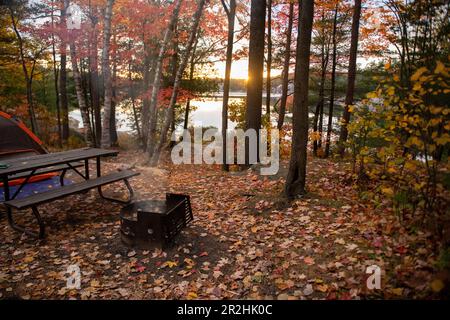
(154,55)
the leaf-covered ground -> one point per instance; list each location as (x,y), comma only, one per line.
(246,241)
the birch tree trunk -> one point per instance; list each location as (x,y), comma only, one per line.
(107,82)
(153,114)
(296,178)
(176,86)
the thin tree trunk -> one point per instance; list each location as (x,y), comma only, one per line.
(63,78)
(351,76)
(153,114)
(93,74)
(318,115)
(55,78)
(231,14)
(169,112)
(255,71)
(174,67)
(296,178)
(107,83)
(269,57)
(80,95)
(145,99)
(287,58)
(333,84)
(132,97)
(28,77)
(191,78)
(112,119)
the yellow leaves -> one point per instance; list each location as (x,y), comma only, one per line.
(169,264)
(414,141)
(28,259)
(192,295)
(372,95)
(315,136)
(95,283)
(351,108)
(190,263)
(447,126)
(387,66)
(392,170)
(419,72)
(441,69)
(417,86)
(390,91)
(397,291)
(437,285)
(443,140)
(410,165)
(387,191)
(435,110)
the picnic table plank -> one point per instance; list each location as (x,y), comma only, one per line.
(46,160)
(55,194)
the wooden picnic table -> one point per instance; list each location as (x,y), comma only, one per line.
(64,161)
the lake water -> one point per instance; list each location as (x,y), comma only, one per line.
(207,113)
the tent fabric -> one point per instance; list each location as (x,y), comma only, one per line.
(35,187)
(17,141)
(16,138)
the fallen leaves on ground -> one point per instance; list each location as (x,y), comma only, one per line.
(246,241)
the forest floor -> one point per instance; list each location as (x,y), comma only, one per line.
(246,242)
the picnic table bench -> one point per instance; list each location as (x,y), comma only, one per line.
(60,161)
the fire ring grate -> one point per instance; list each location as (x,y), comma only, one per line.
(155,223)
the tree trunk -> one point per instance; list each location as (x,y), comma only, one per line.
(132,97)
(191,78)
(107,83)
(351,77)
(333,84)
(318,115)
(255,71)
(93,74)
(28,77)
(231,13)
(296,178)
(63,78)
(55,78)
(269,57)
(287,58)
(153,114)
(145,99)
(174,67)
(169,112)
(80,95)
(112,119)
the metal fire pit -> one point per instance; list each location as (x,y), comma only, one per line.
(155,223)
